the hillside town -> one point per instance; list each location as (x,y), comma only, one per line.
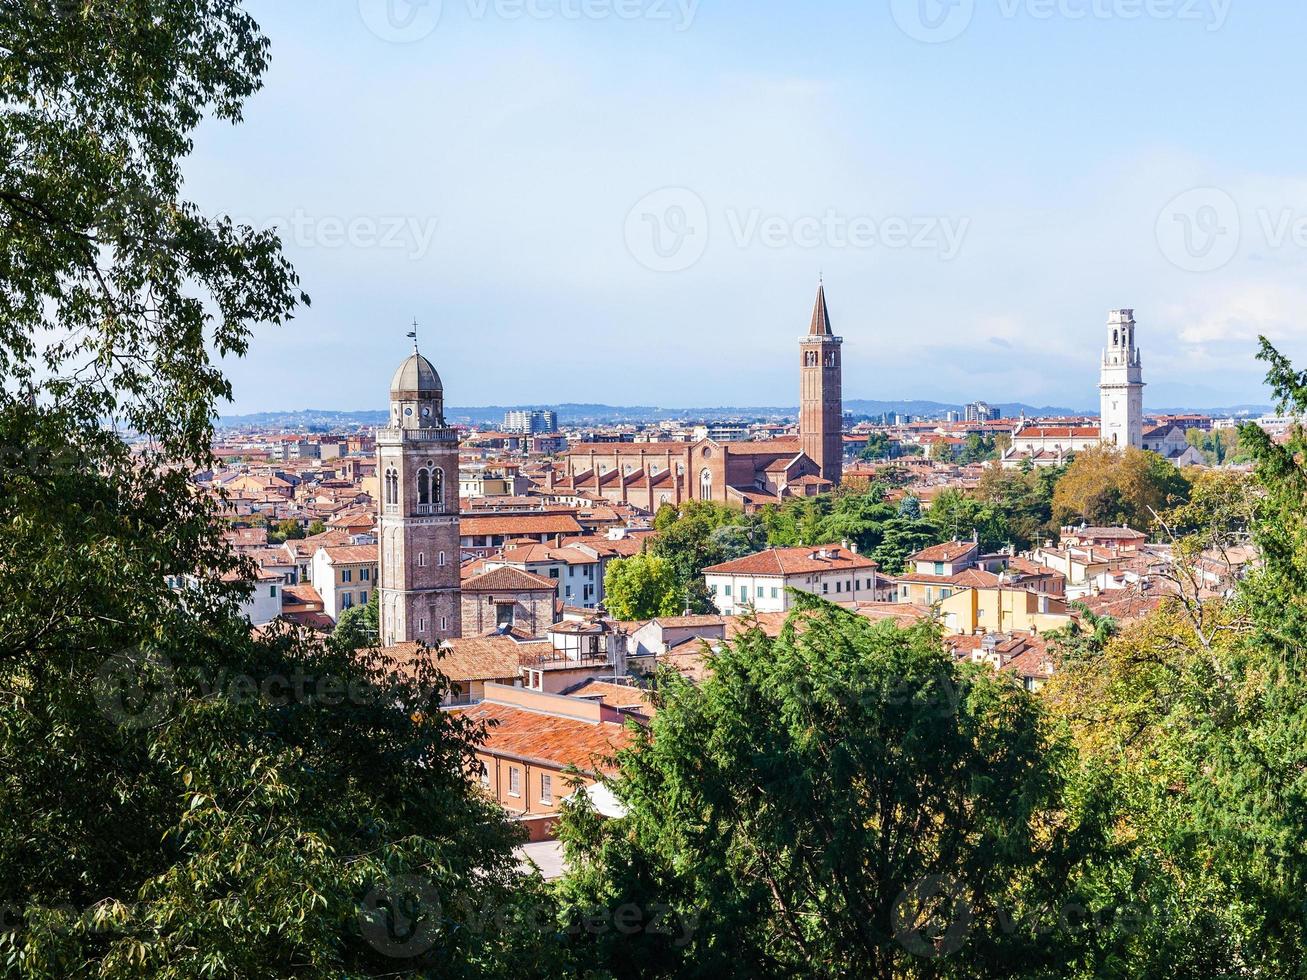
(495,550)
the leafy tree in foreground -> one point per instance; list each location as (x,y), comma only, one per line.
(177,797)
(843,800)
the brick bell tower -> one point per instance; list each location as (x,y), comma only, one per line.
(821,403)
(417,468)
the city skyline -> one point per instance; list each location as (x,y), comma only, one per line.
(972,241)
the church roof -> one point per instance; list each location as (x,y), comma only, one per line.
(416,375)
(820,315)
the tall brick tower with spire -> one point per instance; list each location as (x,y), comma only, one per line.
(821,402)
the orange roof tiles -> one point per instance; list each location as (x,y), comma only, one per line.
(477,526)
(507,579)
(550,739)
(949,551)
(793,561)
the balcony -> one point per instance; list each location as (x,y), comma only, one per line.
(561,659)
(392,436)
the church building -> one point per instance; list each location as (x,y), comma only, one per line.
(744,474)
(418,588)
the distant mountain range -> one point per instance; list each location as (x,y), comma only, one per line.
(573,414)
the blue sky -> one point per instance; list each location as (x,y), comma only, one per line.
(629,201)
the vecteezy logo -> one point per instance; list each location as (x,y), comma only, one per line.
(932,917)
(401,21)
(667,230)
(400,918)
(933,21)
(136,688)
(1200,230)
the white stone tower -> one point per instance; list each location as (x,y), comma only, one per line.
(417,469)
(1122,384)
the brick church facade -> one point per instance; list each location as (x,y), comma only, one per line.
(743,474)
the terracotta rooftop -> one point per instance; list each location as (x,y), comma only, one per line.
(794,561)
(552,739)
(481,658)
(351,554)
(519,524)
(508,580)
(949,551)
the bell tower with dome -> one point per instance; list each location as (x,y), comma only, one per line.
(418,538)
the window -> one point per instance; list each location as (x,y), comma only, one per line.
(422,559)
(424,488)
(728,591)
(363,598)
(440,559)
(546,788)
(553,573)
(705,484)
(347,575)
(939,568)
(272,592)
(438,488)
(775,592)
(514,781)
(365,574)
(485,776)
(825,587)
(839,586)
(444,623)
(422,625)
(504,615)
(347,600)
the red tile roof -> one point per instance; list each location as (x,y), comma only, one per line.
(949,551)
(507,579)
(551,739)
(794,561)
(520,524)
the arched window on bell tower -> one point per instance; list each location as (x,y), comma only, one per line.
(438,489)
(424,488)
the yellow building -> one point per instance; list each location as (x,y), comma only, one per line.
(1000,610)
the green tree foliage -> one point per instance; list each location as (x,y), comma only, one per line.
(956,516)
(978,449)
(1193,715)
(1025,499)
(287,530)
(700,534)
(941,451)
(1220,447)
(316,528)
(843,800)
(1108,486)
(359,627)
(179,798)
(878,446)
(642,587)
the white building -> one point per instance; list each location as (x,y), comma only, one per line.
(759,581)
(1122,384)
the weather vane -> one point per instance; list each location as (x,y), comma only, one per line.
(413,334)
